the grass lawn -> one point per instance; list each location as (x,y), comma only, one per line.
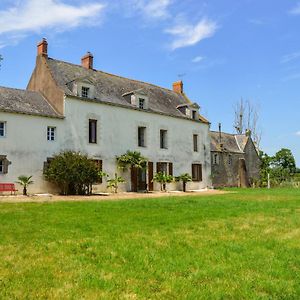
(244,245)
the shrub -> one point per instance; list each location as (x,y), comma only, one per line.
(163,179)
(184,178)
(25,181)
(73,173)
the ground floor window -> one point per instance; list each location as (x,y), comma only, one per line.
(3,164)
(165,167)
(196,172)
(99,165)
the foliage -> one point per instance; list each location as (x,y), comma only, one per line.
(114,182)
(281,167)
(241,245)
(163,179)
(25,181)
(132,159)
(184,178)
(73,173)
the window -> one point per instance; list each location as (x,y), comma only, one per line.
(196,172)
(51,133)
(141,103)
(216,159)
(2,129)
(98,163)
(164,167)
(195,142)
(163,139)
(85,92)
(194,114)
(141,136)
(93,131)
(3,164)
(230,159)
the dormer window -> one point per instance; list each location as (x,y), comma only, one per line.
(141,103)
(194,114)
(85,91)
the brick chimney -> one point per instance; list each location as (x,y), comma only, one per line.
(87,61)
(42,48)
(178,87)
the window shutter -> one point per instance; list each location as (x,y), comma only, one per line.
(171,169)
(200,172)
(193,173)
(100,169)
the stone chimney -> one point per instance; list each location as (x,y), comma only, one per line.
(42,48)
(178,87)
(87,61)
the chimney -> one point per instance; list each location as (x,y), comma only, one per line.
(178,87)
(220,136)
(42,48)
(87,61)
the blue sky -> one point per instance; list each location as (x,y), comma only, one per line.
(222,49)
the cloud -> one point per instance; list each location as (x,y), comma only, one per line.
(197,59)
(298,133)
(150,9)
(186,35)
(295,10)
(290,57)
(30,16)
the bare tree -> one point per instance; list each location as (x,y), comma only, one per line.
(246,120)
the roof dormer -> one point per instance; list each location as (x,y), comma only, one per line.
(190,110)
(84,88)
(138,98)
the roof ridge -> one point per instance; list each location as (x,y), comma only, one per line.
(17,89)
(119,76)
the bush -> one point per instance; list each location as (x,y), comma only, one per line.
(73,172)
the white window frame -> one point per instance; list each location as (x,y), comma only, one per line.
(4,129)
(51,133)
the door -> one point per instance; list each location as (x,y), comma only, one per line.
(142,180)
(134,179)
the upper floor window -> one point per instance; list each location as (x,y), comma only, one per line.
(163,139)
(141,103)
(93,131)
(142,136)
(195,142)
(85,91)
(4,164)
(230,159)
(2,129)
(196,172)
(51,132)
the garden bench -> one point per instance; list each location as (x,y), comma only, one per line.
(8,187)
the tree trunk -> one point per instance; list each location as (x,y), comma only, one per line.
(184,186)
(24,191)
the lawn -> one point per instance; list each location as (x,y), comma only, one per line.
(244,245)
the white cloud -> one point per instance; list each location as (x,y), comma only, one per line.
(290,57)
(188,35)
(298,133)
(151,9)
(197,59)
(35,15)
(295,10)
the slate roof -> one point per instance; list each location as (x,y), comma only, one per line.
(231,142)
(110,88)
(25,102)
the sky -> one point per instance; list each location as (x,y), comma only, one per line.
(223,50)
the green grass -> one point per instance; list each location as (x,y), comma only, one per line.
(244,245)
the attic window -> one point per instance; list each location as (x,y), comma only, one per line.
(141,103)
(194,114)
(85,92)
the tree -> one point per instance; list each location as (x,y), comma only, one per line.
(185,178)
(163,179)
(25,181)
(246,117)
(114,183)
(265,168)
(73,172)
(283,165)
